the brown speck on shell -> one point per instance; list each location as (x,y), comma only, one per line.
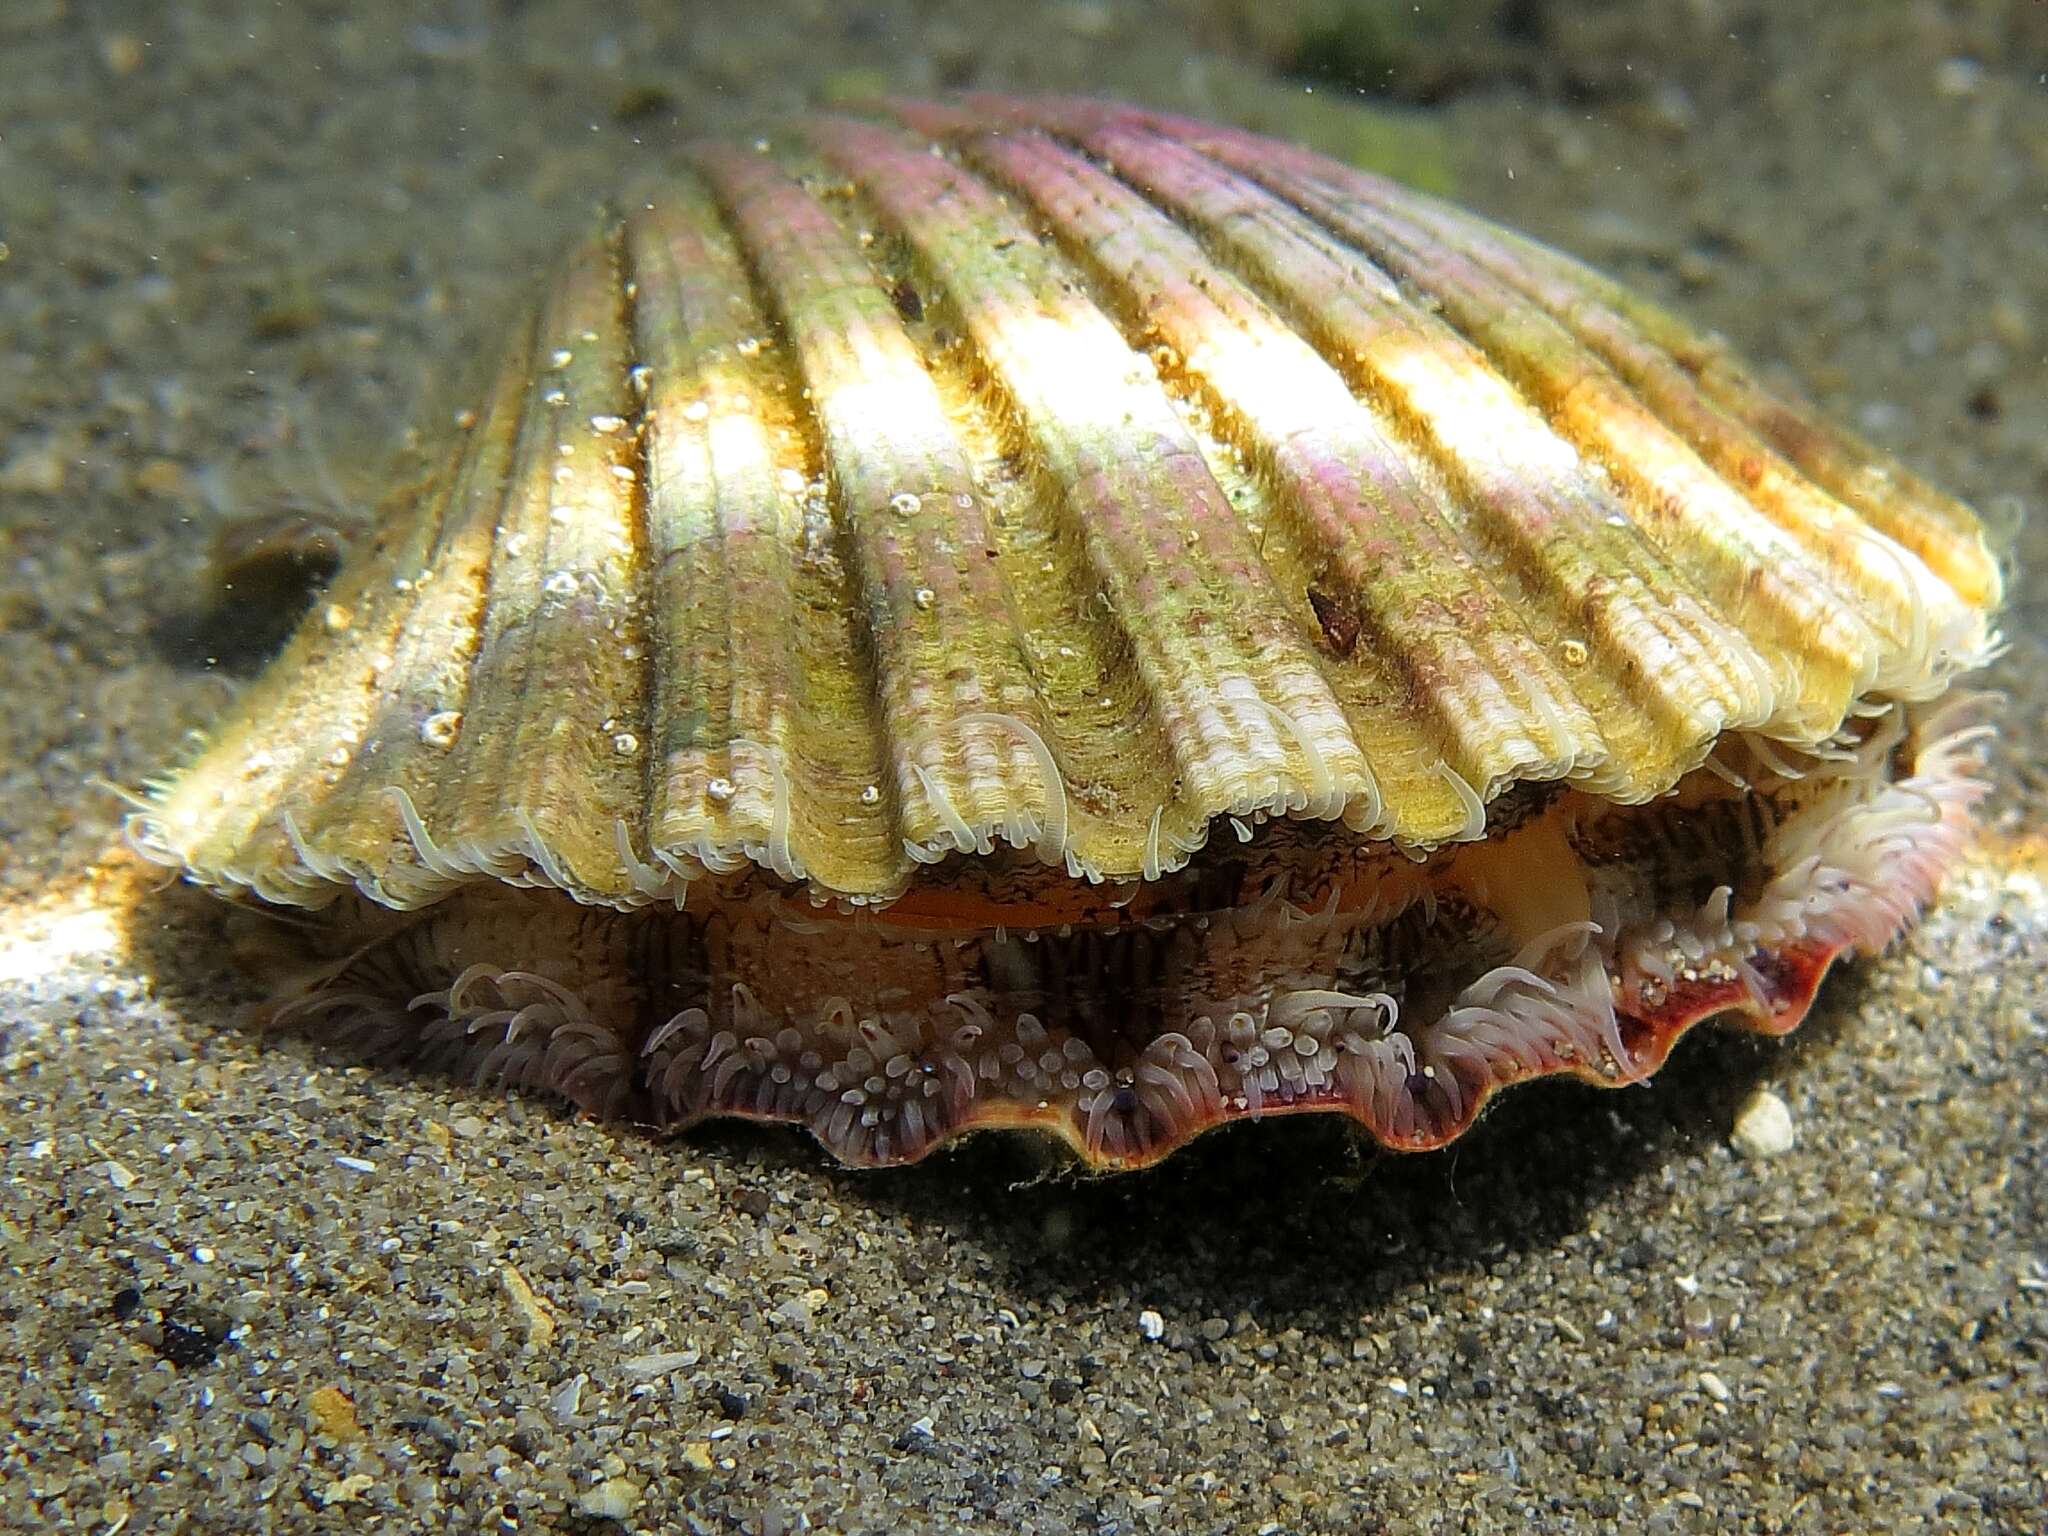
(1340,625)
(1247,639)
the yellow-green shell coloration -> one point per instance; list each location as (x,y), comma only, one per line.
(1040,613)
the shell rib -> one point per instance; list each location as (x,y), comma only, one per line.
(941,513)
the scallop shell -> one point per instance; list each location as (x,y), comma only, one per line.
(1039,613)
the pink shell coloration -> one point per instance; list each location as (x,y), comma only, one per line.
(1043,614)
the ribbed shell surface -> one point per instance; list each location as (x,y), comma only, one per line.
(1067,477)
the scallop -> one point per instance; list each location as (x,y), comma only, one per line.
(1036,613)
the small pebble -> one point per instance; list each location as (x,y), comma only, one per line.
(122,53)
(1151,1326)
(162,479)
(1698,1317)
(613,1499)
(566,1401)
(334,1414)
(697,1456)
(534,1311)
(1763,1126)
(346,1491)
(37,469)
(647,1367)
(1958,77)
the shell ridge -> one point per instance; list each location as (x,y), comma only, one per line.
(702,508)
(1443,273)
(653,880)
(432,661)
(1357,316)
(769,531)
(1935,527)
(1104,222)
(1753,466)
(1120,493)
(656,533)
(584,718)
(901,481)
(1758,551)
(321,683)
(1926,650)
(548,665)
(1237,231)
(1748,686)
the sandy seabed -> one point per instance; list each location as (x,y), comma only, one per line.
(248,1287)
